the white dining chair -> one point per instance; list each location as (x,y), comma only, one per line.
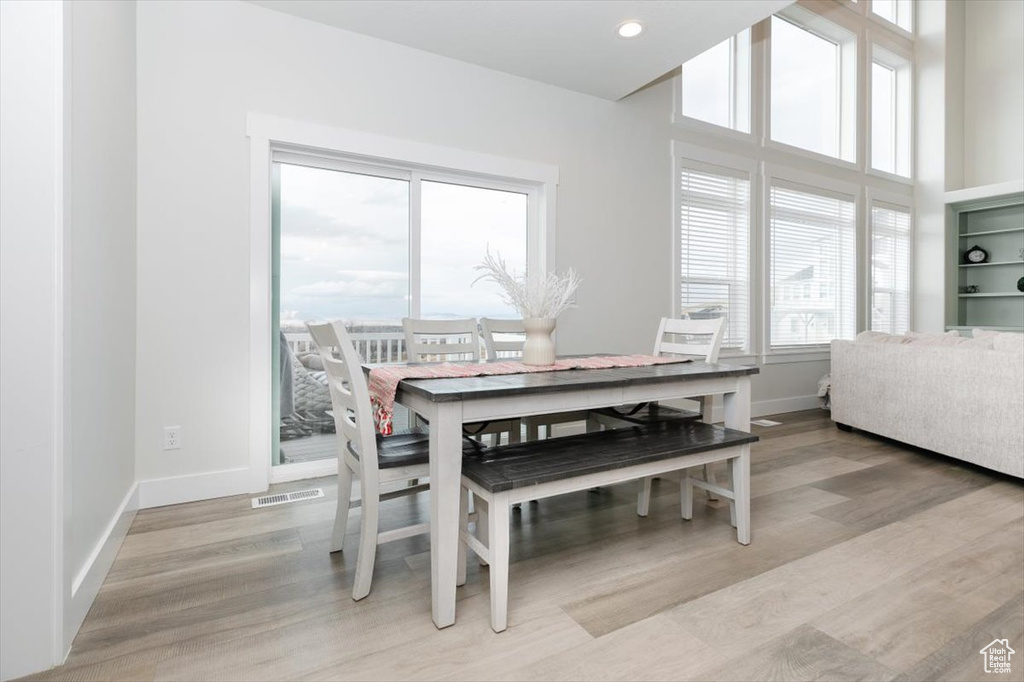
(504,339)
(452,341)
(375,462)
(441,340)
(685,337)
(701,338)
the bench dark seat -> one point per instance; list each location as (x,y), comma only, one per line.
(649,413)
(508,467)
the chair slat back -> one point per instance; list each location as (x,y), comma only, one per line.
(690,337)
(350,396)
(441,340)
(496,333)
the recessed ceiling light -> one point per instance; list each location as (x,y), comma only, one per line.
(630,29)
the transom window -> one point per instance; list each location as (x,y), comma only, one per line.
(716,84)
(899,12)
(890,112)
(813,84)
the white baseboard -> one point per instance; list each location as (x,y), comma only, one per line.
(86,583)
(159,492)
(283,473)
(761,408)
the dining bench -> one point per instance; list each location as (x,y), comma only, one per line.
(499,477)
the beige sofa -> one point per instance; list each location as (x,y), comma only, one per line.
(962,397)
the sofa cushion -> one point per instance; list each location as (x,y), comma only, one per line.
(951,338)
(879,337)
(1009,342)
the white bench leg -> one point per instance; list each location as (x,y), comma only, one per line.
(341,514)
(643,498)
(686,497)
(460,578)
(740,467)
(498,540)
(709,476)
(482,508)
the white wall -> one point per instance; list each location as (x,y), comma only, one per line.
(993,92)
(31,38)
(938,120)
(99,293)
(203,66)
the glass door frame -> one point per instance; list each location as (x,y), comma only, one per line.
(539,254)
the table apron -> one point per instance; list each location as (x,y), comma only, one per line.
(529,404)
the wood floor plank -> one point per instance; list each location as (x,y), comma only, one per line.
(908,618)
(658,586)
(749,613)
(624,654)
(803,654)
(960,658)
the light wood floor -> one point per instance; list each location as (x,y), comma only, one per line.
(870,561)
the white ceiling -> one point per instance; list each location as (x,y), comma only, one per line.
(569,43)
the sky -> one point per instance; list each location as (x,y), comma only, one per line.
(345,246)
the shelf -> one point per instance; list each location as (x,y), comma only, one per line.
(1002,262)
(1002,189)
(965,235)
(1008,294)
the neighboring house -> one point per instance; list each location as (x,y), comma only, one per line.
(997,656)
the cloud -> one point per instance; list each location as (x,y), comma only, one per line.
(362,283)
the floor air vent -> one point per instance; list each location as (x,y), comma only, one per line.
(285,498)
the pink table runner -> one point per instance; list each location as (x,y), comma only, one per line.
(384,380)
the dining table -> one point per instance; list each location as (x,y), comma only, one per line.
(448,403)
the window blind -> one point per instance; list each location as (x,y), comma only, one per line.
(813,267)
(714,225)
(890,269)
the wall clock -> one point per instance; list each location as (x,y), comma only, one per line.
(976,254)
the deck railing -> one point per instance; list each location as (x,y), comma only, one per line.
(382,346)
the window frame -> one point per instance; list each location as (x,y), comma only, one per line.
(724,147)
(700,159)
(805,182)
(869,13)
(897,58)
(875,197)
(835,29)
(266,133)
(679,118)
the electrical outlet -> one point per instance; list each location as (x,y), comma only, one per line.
(172,438)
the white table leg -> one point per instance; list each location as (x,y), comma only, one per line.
(737,416)
(445,485)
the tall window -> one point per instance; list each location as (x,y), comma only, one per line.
(813,266)
(716,84)
(890,269)
(890,112)
(813,78)
(714,222)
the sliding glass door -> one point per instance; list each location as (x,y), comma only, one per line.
(371,245)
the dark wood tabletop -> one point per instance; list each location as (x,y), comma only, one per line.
(467,388)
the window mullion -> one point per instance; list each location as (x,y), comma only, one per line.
(415,233)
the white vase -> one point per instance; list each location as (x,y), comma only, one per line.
(539,348)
